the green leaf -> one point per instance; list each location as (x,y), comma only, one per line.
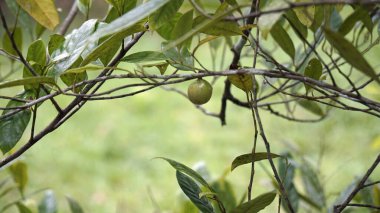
(183,168)
(122,6)
(183,26)
(76,44)
(162,66)
(35,80)
(267,21)
(73,78)
(144,56)
(192,191)
(311,106)
(17,36)
(313,70)
(43,11)
(22,208)
(360,14)
(199,28)
(129,19)
(225,193)
(22,17)
(55,42)
(74,205)
(350,53)
(37,53)
(283,39)
(257,204)
(179,58)
(110,46)
(220,28)
(312,185)
(165,31)
(39,30)
(247,158)
(84,6)
(286,170)
(242,81)
(12,127)
(305,14)
(165,14)
(19,173)
(295,23)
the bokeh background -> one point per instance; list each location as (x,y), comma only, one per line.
(103,156)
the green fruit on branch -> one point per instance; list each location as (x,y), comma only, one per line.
(199,92)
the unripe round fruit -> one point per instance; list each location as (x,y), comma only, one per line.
(199,92)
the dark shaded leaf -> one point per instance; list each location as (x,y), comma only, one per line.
(183,168)
(179,58)
(48,204)
(192,191)
(247,158)
(74,205)
(286,170)
(350,53)
(19,173)
(312,185)
(144,56)
(257,204)
(73,78)
(39,30)
(360,14)
(283,39)
(311,106)
(12,127)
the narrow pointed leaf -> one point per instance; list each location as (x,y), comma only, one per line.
(247,158)
(183,168)
(295,23)
(266,22)
(192,191)
(28,81)
(283,39)
(19,173)
(257,204)
(144,56)
(183,26)
(350,53)
(313,70)
(17,37)
(312,107)
(360,14)
(22,208)
(220,28)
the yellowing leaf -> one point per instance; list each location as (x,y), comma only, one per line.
(242,81)
(376,143)
(43,11)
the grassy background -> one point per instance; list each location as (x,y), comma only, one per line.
(103,155)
